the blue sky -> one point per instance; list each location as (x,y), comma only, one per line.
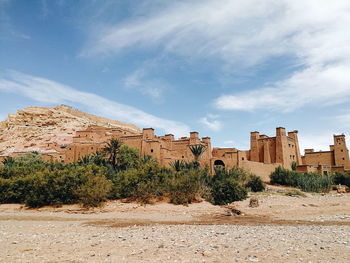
(219,67)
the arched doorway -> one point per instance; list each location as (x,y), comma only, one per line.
(219,163)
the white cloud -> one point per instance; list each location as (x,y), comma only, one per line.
(48,91)
(139,81)
(318,86)
(246,33)
(210,121)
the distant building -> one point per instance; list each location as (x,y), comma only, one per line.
(336,159)
(265,153)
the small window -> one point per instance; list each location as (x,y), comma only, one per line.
(341,150)
(183,156)
(242,158)
(151,150)
(92,148)
(343,159)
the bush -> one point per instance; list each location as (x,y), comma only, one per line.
(308,182)
(228,190)
(35,183)
(149,180)
(129,158)
(94,191)
(236,173)
(255,184)
(284,177)
(342,178)
(184,187)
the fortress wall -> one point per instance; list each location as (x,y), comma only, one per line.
(316,158)
(260,169)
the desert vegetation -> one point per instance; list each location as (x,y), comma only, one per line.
(309,182)
(119,172)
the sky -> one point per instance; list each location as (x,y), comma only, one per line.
(223,68)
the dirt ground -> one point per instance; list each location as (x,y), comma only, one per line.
(315,228)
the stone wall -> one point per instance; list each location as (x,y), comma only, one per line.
(260,169)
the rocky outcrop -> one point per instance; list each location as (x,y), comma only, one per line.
(36,128)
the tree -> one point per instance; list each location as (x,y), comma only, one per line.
(112,151)
(94,158)
(177,165)
(197,150)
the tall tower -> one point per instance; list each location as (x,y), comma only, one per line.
(341,152)
(267,157)
(281,147)
(254,146)
(294,135)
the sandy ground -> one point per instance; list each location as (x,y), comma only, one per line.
(315,228)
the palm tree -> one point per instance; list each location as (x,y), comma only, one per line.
(112,150)
(95,158)
(197,150)
(177,165)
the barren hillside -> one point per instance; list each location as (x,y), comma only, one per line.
(32,128)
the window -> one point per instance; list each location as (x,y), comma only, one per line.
(151,150)
(242,158)
(341,150)
(343,159)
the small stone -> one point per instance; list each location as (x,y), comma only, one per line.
(254,202)
(206,253)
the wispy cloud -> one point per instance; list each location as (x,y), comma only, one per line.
(315,86)
(211,122)
(48,91)
(151,87)
(244,34)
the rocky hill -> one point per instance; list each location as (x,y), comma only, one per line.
(32,128)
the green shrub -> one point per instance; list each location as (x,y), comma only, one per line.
(255,184)
(184,186)
(228,190)
(147,181)
(94,191)
(342,178)
(308,182)
(128,158)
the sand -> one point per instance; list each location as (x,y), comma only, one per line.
(315,228)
